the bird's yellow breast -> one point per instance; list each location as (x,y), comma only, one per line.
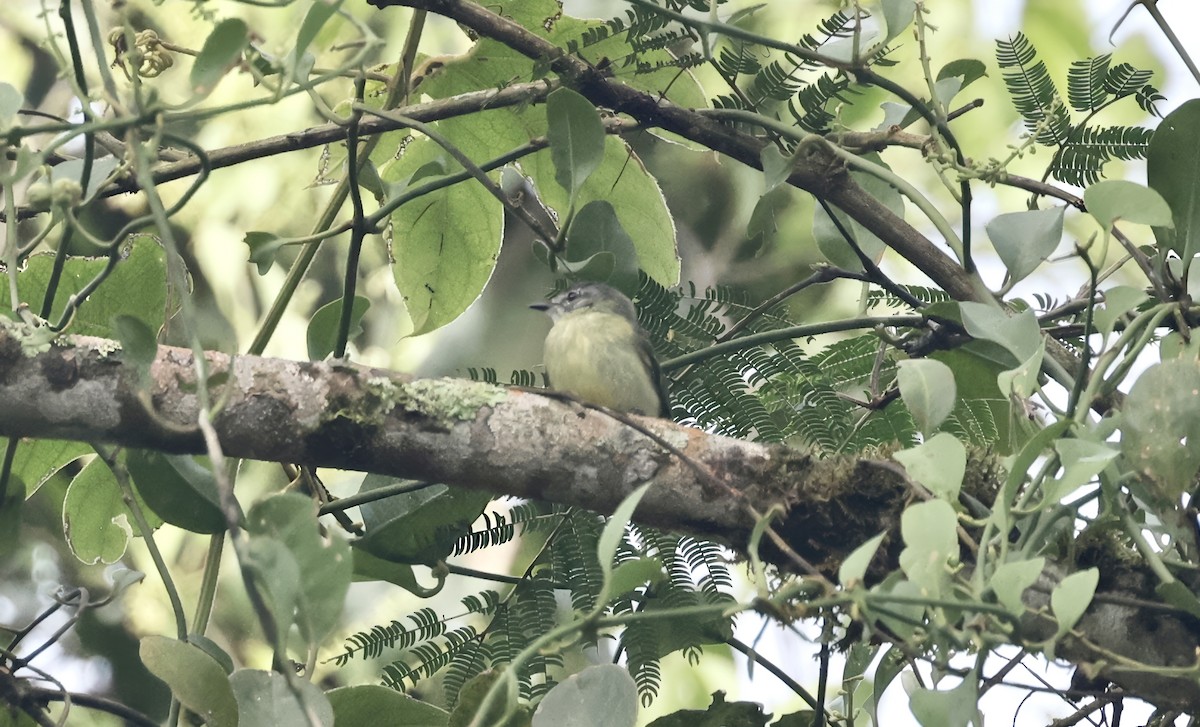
(596,356)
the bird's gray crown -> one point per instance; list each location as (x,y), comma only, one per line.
(582,296)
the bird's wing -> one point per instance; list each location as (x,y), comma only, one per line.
(646,352)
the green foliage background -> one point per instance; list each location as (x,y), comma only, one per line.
(728,244)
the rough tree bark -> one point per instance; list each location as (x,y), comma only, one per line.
(519,443)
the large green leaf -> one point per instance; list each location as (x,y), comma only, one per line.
(178,489)
(221,51)
(596,234)
(1023,240)
(195,678)
(1118,301)
(603,695)
(1160,425)
(983,414)
(1071,597)
(1011,579)
(1171,165)
(1081,461)
(927,387)
(368,567)
(614,531)
(983,420)
(419,526)
(621,179)
(323,326)
(136,287)
(265,699)
(854,567)
(1119,199)
(898,15)
(38,459)
(277,576)
(362,705)
(96,521)
(957,707)
(939,463)
(576,137)
(325,563)
(901,617)
(445,244)
(299,60)
(930,540)
(1018,333)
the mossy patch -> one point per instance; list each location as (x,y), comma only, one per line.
(448,399)
(444,401)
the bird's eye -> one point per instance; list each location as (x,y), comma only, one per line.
(572,295)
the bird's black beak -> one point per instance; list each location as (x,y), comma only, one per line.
(540,305)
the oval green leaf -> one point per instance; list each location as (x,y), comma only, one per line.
(599,696)
(931,540)
(195,678)
(327,565)
(178,489)
(854,567)
(221,51)
(939,464)
(136,286)
(96,522)
(576,137)
(1171,164)
(1011,579)
(1071,597)
(1023,240)
(420,526)
(596,230)
(445,243)
(362,705)
(928,389)
(625,183)
(265,699)
(1118,199)
(957,707)
(1160,430)
(323,326)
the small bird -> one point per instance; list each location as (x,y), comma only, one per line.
(597,352)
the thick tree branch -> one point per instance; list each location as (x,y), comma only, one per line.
(454,431)
(519,443)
